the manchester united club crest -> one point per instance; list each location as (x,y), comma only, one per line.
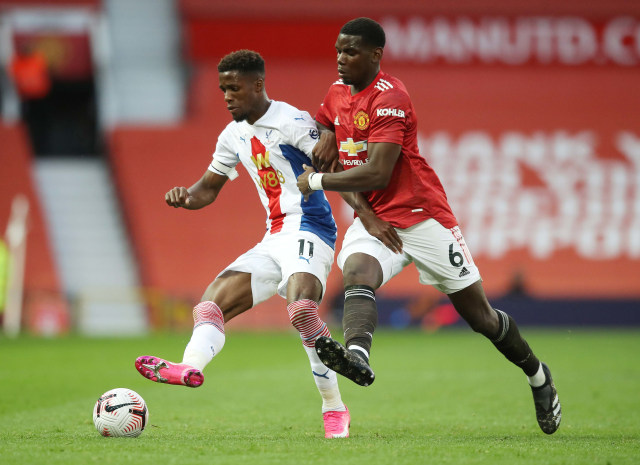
(361,120)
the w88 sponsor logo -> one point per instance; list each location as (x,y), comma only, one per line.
(268,176)
(270,179)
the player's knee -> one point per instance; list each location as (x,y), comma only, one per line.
(231,292)
(304,286)
(363,269)
(353,276)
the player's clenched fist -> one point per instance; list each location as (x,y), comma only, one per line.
(178,197)
(303,181)
(324,155)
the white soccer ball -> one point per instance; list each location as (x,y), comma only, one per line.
(120,412)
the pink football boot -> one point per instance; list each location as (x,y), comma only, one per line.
(336,424)
(163,371)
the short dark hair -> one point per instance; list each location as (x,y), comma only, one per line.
(243,61)
(370,31)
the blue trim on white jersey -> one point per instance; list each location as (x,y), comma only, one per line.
(316,212)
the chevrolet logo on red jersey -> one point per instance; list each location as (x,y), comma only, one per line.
(353,148)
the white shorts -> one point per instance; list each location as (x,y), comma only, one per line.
(274,259)
(440,254)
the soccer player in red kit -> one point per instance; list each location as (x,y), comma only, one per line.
(368,114)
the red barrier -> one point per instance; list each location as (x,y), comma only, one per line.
(505,33)
(310,9)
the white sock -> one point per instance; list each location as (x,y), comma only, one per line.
(538,379)
(326,381)
(206,342)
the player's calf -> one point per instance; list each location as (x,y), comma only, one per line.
(304,317)
(513,346)
(360,317)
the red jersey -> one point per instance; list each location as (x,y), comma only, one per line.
(383,112)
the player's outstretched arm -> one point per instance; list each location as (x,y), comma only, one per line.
(373,175)
(201,194)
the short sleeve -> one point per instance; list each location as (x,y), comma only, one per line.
(224,154)
(389,117)
(323,115)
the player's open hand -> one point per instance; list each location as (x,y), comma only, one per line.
(382,230)
(324,155)
(303,182)
(178,197)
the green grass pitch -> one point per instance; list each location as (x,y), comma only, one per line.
(443,398)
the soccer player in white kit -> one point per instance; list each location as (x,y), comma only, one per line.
(272,140)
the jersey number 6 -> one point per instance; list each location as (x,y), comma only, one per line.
(455,258)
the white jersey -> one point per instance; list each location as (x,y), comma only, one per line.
(273,150)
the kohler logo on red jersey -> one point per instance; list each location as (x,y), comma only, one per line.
(390,112)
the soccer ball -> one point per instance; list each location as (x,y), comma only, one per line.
(120,412)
